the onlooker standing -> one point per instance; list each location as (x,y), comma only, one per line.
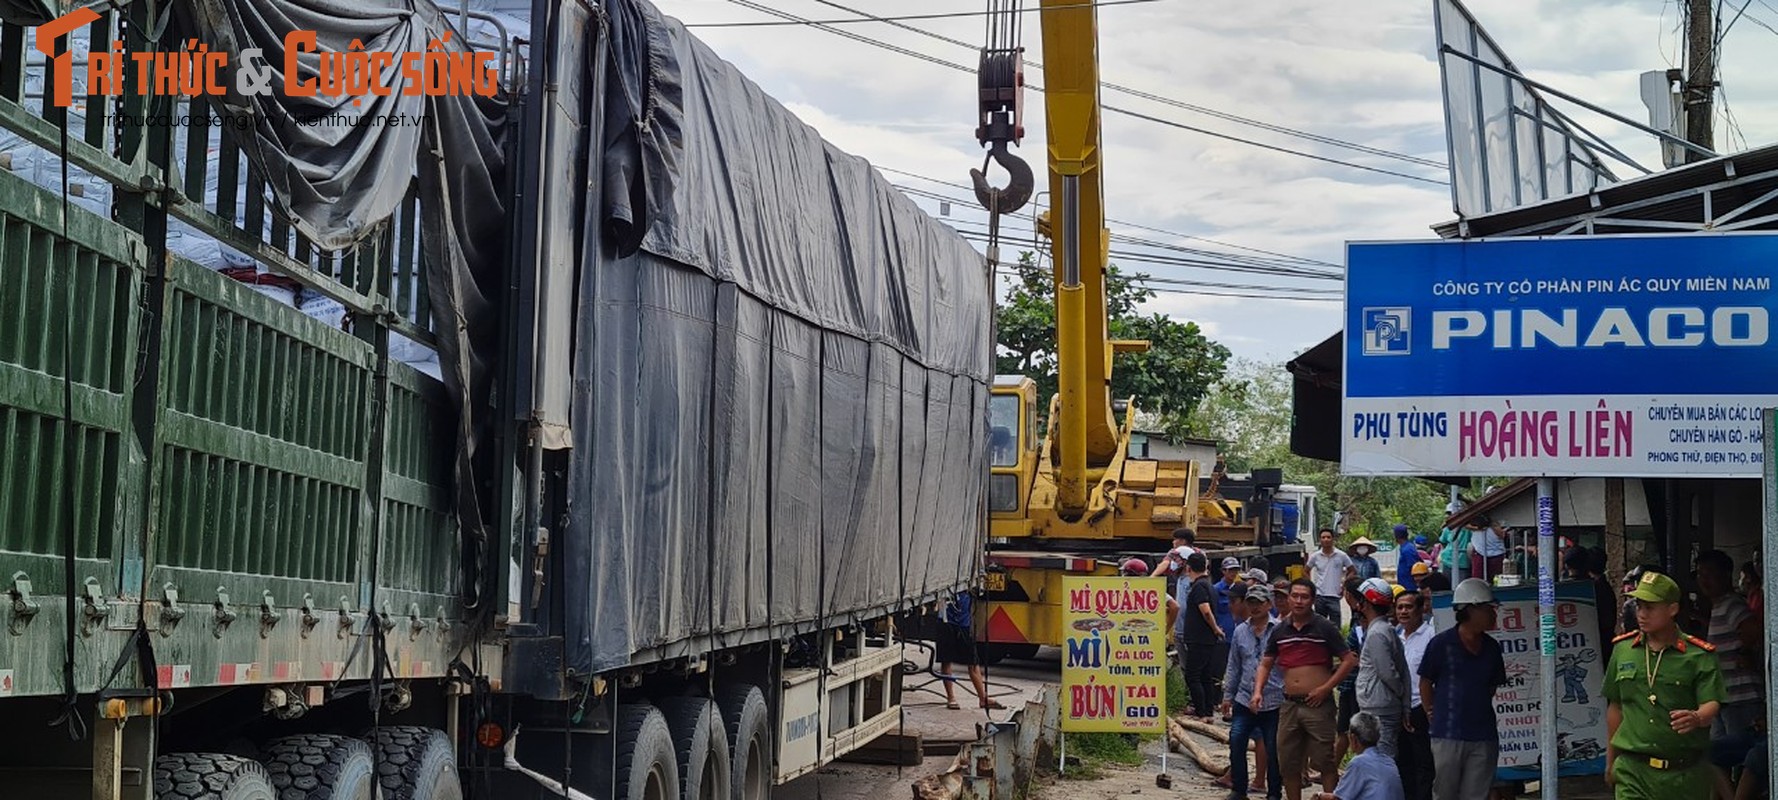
(1253,712)
(1589,566)
(1329,568)
(1430,580)
(1172,565)
(1306,646)
(1407,556)
(1371,775)
(1487,548)
(1454,556)
(1459,674)
(1735,633)
(1364,563)
(1185,542)
(1753,587)
(1382,665)
(1663,696)
(1226,594)
(1199,634)
(956,645)
(1416,631)
(1348,693)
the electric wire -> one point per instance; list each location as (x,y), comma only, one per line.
(1137,226)
(1762,23)
(932,59)
(1164,261)
(1722,31)
(898,17)
(1209,259)
(1180,104)
(1212,292)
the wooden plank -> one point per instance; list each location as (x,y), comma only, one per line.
(1140,475)
(891,749)
(1172,474)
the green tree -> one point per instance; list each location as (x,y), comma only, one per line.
(1250,413)
(1168,380)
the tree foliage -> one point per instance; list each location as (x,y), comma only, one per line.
(1169,380)
(1249,412)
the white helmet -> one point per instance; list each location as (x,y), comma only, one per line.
(1472,591)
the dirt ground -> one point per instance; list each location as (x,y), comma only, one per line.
(1137,783)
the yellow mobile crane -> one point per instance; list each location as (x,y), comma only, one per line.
(1071,500)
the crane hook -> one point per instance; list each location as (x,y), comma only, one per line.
(1017,191)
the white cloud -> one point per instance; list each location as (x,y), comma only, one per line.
(1363,72)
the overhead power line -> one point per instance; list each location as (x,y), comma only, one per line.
(1206,259)
(1180,104)
(1276,148)
(898,17)
(1127,257)
(1284,257)
(1213,292)
(1186,263)
(932,59)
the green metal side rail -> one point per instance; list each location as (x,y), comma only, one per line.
(244,475)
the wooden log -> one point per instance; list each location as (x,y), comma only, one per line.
(1182,741)
(1212,731)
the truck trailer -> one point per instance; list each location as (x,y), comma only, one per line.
(579,425)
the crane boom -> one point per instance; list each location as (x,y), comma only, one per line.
(1081,496)
(1086,428)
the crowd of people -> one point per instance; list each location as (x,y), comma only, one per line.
(1415,705)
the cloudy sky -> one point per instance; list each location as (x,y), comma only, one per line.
(1361,72)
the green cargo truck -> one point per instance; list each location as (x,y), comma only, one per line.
(580,425)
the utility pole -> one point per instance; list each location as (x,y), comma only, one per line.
(1700,85)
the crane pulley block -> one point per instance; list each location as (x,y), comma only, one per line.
(1001,78)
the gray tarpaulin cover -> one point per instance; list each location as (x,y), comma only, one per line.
(339,182)
(780,393)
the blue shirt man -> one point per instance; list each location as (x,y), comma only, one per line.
(1230,584)
(1406,557)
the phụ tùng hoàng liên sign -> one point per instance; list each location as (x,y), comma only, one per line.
(1626,356)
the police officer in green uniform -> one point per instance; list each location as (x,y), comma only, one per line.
(1663,688)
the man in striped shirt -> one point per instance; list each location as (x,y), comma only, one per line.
(1308,648)
(1737,636)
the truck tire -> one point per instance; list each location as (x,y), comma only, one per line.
(701,745)
(210,776)
(317,767)
(748,722)
(415,763)
(1019,652)
(647,762)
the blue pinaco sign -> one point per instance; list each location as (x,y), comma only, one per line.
(1632,356)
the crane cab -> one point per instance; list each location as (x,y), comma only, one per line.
(1012,453)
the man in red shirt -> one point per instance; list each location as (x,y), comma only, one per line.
(1315,659)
